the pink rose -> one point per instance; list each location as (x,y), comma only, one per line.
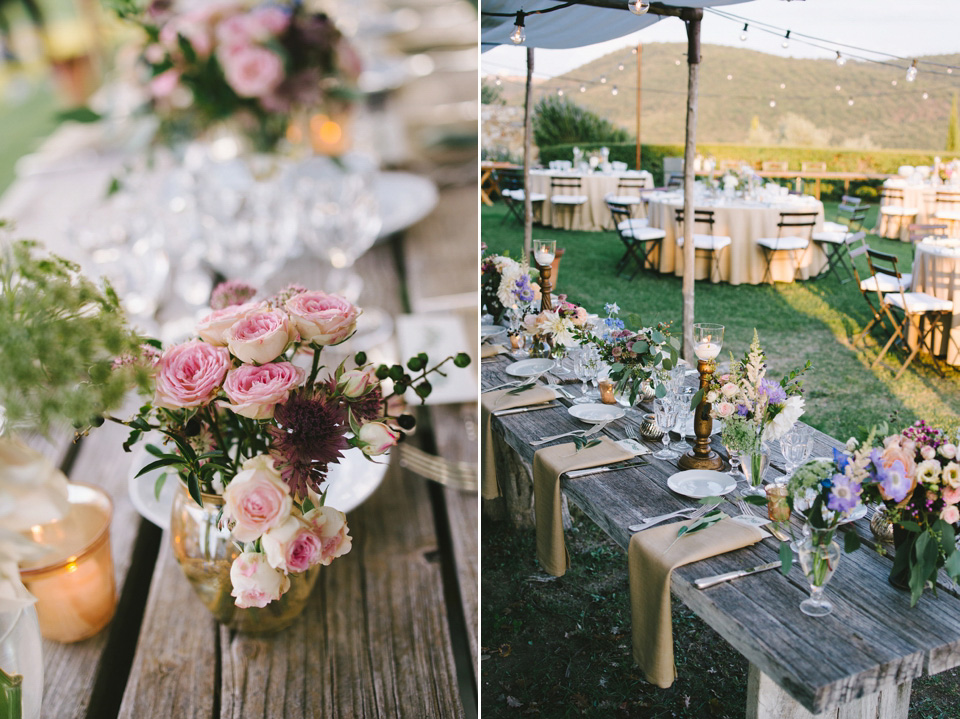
(321,318)
(252,71)
(950,514)
(729,390)
(579,317)
(951,495)
(948,450)
(292,546)
(357,382)
(255,582)
(272,19)
(376,438)
(234,32)
(194,32)
(165,83)
(260,336)
(330,525)
(214,326)
(257,499)
(189,375)
(154,54)
(255,390)
(928,452)
(724,409)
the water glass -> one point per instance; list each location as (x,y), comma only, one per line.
(666,415)
(586,365)
(795,446)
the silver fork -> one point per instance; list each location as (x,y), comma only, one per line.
(702,510)
(572,433)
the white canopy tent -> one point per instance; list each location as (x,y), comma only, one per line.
(558,25)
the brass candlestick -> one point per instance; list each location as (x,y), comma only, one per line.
(701,456)
(546,287)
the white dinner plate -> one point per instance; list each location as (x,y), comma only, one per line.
(351,482)
(595,412)
(530,367)
(404,199)
(488,332)
(700,483)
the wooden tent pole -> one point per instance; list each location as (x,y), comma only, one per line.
(639,83)
(692,17)
(527,125)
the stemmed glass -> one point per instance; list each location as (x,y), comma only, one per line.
(586,365)
(734,454)
(795,447)
(681,401)
(665,412)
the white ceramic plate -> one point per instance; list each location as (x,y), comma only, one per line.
(700,483)
(488,332)
(404,200)
(530,367)
(595,412)
(351,483)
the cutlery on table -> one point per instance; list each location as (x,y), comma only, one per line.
(705,582)
(653,521)
(533,408)
(544,440)
(600,470)
(514,383)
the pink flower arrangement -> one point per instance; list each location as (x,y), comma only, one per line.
(247,418)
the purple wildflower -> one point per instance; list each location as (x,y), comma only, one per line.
(893,479)
(523,290)
(774,392)
(844,494)
(742,410)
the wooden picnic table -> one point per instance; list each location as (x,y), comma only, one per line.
(858,661)
(817,175)
(390,629)
(488,184)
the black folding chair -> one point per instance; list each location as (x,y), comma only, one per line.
(791,244)
(639,239)
(835,245)
(512,191)
(704,243)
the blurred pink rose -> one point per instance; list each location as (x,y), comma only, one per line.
(948,450)
(255,582)
(330,525)
(271,18)
(579,317)
(192,29)
(252,71)
(322,318)
(255,390)
(257,499)
(724,409)
(729,390)
(154,53)
(950,514)
(357,382)
(292,546)
(213,327)
(165,83)
(260,336)
(376,438)
(234,32)
(189,375)
(928,452)
(951,495)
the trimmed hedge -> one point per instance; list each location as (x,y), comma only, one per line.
(838,160)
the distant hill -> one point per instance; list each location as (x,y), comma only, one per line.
(809,110)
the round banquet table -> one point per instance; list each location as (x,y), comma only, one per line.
(592,216)
(743,262)
(922,197)
(936,271)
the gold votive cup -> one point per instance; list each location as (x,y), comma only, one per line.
(778,510)
(74,583)
(607,395)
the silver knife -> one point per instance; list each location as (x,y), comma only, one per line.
(705,582)
(534,408)
(600,470)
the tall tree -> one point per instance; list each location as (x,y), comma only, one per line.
(953,128)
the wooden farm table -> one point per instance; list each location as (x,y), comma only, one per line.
(391,628)
(858,661)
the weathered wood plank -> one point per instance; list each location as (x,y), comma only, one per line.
(374,640)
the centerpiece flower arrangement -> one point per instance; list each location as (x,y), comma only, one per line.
(256,64)
(636,358)
(753,407)
(252,431)
(505,284)
(556,330)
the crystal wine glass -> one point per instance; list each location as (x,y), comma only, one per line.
(734,454)
(795,447)
(666,416)
(586,365)
(682,401)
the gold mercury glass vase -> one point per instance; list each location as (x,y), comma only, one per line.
(206,552)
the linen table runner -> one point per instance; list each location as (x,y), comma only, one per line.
(650,566)
(491,402)
(491,351)
(548,465)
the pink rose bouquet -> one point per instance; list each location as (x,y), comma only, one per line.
(246,414)
(259,63)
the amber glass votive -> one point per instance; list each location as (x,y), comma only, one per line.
(74,583)
(607,395)
(777,508)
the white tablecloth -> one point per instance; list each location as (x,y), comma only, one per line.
(743,262)
(592,216)
(921,197)
(936,271)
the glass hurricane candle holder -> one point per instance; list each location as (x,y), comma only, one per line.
(544,251)
(778,509)
(707,341)
(607,395)
(74,584)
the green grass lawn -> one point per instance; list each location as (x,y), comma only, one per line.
(558,648)
(23,126)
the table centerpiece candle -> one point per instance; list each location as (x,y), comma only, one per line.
(708,340)
(544,252)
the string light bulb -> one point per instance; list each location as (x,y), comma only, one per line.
(743,33)
(729,77)
(583,88)
(633,51)
(519,34)
(614,91)
(497,82)
(949,70)
(926,95)
(893,82)
(783,86)
(912,72)
(841,60)
(620,67)
(850,102)
(837,88)
(603,79)
(786,41)
(638,7)
(773,103)
(560,93)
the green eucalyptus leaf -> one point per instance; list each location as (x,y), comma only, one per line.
(786,558)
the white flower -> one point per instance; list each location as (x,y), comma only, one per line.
(559,328)
(508,283)
(951,475)
(785,419)
(928,472)
(852,444)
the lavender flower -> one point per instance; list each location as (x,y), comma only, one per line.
(893,479)
(774,392)
(844,494)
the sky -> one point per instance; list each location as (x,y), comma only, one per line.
(901,27)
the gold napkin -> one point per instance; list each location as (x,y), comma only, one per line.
(492,351)
(650,568)
(492,402)
(548,465)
